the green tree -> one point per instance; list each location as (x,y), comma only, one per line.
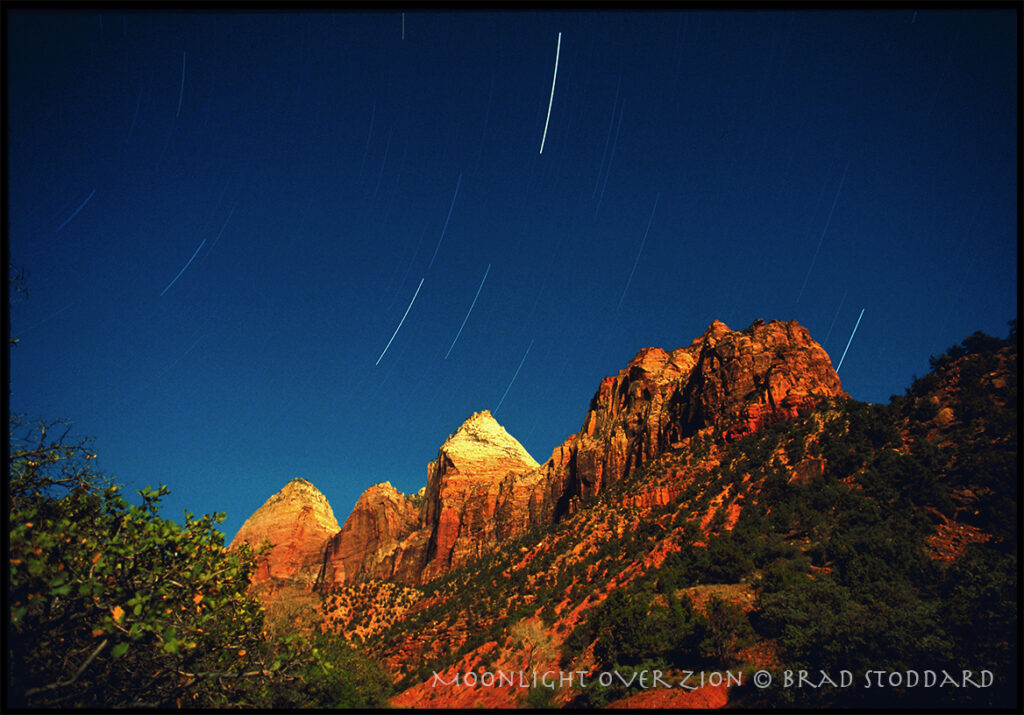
(339,676)
(980,612)
(728,631)
(111,605)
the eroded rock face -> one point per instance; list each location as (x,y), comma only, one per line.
(377,540)
(735,380)
(464,489)
(744,379)
(484,488)
(391,536)
(297,522)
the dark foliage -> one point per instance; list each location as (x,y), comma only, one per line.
(111,605)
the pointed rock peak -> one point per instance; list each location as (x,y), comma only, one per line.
(717,329)
(483,417)
(298,489)
(481,438)
(300,484)
(297,499)
(384,494)
(384,489)
(715,332)
(480,426)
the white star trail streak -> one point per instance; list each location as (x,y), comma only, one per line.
(850,340)
(76,212)
(551,100)
(183,269)
(407,268)
(834,318)
(400,322)
(823,231)
(232,213)
(46,319)
(608,169)
(181,93)
(469,311)
(514,376)
(637,260)
(457,185)
(180,357)
(608,137)
(138,103)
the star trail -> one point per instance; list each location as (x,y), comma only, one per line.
(220,217)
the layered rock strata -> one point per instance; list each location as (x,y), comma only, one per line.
(737,381)
(391,536)
(295,522)
(484,488)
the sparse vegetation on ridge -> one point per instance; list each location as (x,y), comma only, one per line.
(852,536)
(835,540)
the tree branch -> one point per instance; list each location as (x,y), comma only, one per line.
(64,683)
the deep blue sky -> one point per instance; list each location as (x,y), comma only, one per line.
(312,159)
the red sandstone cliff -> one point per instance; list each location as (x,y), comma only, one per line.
(484,488)
(734,380)
(391,536)
(296,522)
(379,540)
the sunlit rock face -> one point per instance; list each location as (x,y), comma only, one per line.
(466,507)
(380,539)
(484,488)
(743,380)
(464,490)
(296,522)
(734,380)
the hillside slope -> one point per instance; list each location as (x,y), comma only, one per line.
(794,529)
(855,537)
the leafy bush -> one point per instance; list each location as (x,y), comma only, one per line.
(111,605)
(728,631)
(980,613)
(633,626)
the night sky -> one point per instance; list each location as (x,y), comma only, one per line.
(224,218)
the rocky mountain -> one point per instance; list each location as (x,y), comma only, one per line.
(725,506)
(296,522)
(484,488)
(734,381)
(453,520)
(380,539)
